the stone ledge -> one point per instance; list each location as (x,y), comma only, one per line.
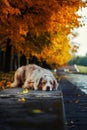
(40,110)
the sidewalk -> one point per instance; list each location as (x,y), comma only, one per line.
(75,103)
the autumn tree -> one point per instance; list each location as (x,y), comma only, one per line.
(39,27)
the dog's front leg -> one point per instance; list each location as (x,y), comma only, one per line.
(35,86)
(25,85)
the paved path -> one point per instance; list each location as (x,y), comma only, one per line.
(36,110)
(75,103)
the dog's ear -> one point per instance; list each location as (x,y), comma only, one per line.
(37,83)
(55,84)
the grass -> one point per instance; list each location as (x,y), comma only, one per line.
(82,69)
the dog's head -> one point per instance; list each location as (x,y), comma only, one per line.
(48,83)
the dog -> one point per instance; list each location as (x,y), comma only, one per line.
(35,77)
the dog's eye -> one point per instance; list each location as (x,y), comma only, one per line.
(44,82)
(51,82)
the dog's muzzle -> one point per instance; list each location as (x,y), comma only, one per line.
(48,88)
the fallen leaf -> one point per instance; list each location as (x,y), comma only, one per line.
(77,101)
(72,122)
(66,123)
(25,91)
(22,99)
(8,84)
(79,95)
(37,111)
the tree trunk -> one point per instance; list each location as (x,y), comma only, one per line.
(22,60)
(8,56)
(15,65)
(12,61)
(3,60)
(27,60)
(18,59)
(0,59)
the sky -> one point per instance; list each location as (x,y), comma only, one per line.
(81,39)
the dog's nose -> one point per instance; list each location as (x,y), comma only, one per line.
(47,88)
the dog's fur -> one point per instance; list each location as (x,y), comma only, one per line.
(35,77)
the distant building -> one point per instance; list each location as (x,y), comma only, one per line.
(68,68)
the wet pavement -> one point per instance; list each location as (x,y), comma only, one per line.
(75,103)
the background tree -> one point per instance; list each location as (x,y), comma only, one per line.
(79,60)
(39,28)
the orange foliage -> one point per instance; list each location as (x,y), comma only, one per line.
(40,27)
(58,52)
(6,80)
